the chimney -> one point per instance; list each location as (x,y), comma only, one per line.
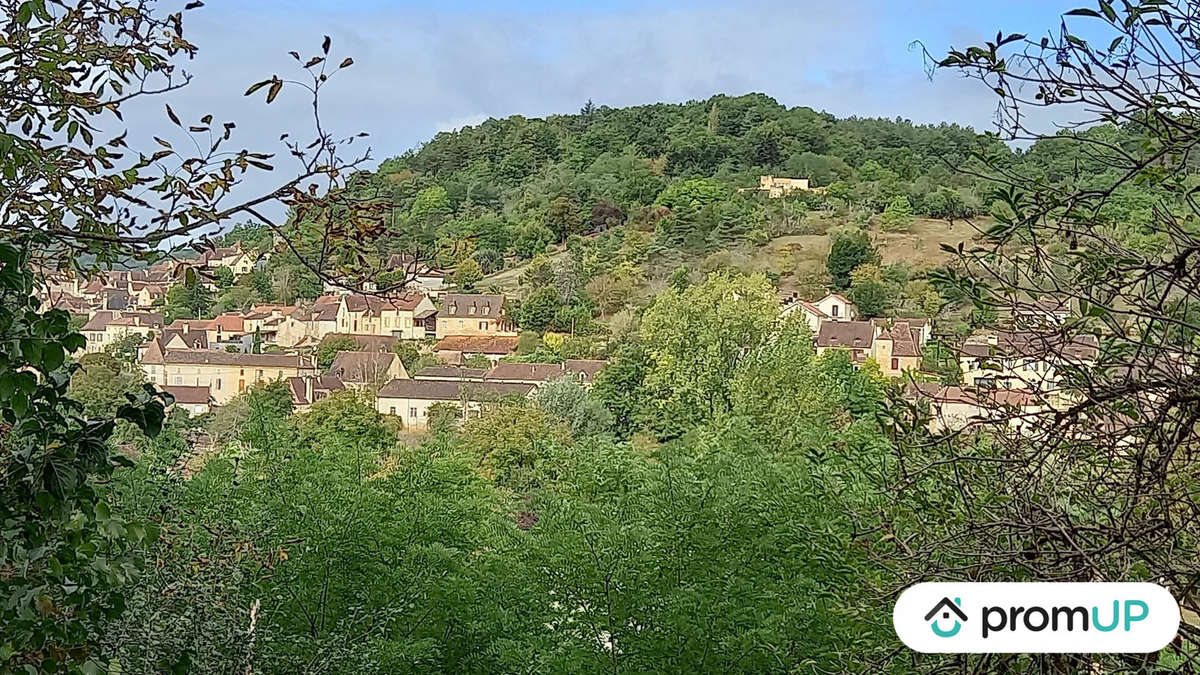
(309,387)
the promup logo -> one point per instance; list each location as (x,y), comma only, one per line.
(946,607)
(1036,617)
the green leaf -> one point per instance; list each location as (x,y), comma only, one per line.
(25,13)
(52,356)
(31,350)
(1108,10)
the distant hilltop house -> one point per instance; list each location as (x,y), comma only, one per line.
(1042,313)
(778,186)
(423,276)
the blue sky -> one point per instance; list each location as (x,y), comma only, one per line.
(423,67)
(420,67)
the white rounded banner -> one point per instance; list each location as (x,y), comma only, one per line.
(1047,618)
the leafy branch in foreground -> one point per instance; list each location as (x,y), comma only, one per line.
(69,177)
(64,554)
(1098,484)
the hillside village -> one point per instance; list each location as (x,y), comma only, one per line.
(472,341)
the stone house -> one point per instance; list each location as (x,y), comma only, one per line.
(226,374)
(473,314)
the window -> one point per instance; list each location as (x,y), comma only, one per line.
(471,310)
(392,410)
(279,374)
(895,363)
(258,374)
(833,311)
(218,384)
(460,323)
(482,325)
(412,412)
(178,380)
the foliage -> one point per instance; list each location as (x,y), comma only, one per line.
(189,300)
(695,340)
(330,347)
(571,402)
(67,553)
(870,296)
(344,417)
(847,250)
(477,361)
(467,274)
(125,347)
(515,445)
(101,382)
(898,216)
(539,311)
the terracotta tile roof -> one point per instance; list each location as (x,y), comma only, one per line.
(471,305)
(100,320)
(362,366)
(905,342)
(525,372)
(585,367)
(194,339)
(446,390)
(188,394)
(852,334)
(229,322)
(1032,344)
(477,344)
(192,324)
(223,358)
(105,318)
(450,373)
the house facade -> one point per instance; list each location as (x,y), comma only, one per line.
(225,374)
(367,370)
(411,400)
(394,316)
(471,314)
(1024,360)
(107,326)
(896,346)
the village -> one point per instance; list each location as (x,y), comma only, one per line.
(204,363)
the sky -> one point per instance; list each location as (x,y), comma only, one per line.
(424,67)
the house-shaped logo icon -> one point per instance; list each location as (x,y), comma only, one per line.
(945,608)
